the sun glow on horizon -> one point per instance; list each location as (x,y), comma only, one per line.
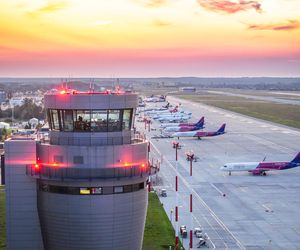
(149,38)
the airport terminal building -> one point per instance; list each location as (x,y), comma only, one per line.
(85,187)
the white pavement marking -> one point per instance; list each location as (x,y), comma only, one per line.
(217,219)
(214,186)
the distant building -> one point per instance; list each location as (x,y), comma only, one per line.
(16,101)
(2,96)
(33,122)
(4,125)
(188,89)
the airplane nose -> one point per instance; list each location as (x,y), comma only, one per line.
(222,168)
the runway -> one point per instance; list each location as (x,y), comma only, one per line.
(260,98)
(257,212)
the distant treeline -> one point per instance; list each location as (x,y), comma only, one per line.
(25,112)
(83,84)
(259,83)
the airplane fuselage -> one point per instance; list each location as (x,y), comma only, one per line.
(200,134)
(182,128)
(257,167)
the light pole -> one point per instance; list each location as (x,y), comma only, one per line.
(12,116)
(191,221)
(190,157)
(176,147)
(149,123)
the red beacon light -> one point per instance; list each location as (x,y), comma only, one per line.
(37,166)
(62,92)
(143,165)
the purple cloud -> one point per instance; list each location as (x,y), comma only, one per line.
(285,26)
(229,6)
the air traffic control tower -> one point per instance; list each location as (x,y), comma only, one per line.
(85,188)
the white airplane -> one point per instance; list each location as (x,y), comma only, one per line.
(181,113)
(165,125)
(162,112)
(260,168)
(150,110)
(178,118)
(163,108)
(160,115)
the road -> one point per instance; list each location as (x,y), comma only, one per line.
(241,211)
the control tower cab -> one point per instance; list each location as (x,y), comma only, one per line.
(87,184)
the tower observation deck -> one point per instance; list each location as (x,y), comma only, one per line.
(87,185)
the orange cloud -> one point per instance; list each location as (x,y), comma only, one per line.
(290,25)
(229,6)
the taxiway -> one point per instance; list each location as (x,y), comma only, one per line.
(241,211)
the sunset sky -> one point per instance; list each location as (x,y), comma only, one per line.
(149,38)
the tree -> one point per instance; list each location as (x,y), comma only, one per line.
(4,134)
(28,110)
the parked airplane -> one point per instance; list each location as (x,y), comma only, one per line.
(153,98)
(197,126)
(165,125)
(167,105)
(179,118)
(162,111)
(149,110)
(181,113)
(200,134)
(260,168)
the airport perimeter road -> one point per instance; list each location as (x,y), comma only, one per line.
(241,211)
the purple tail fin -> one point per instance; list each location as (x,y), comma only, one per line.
(200,123)
(296,159)
(222,129)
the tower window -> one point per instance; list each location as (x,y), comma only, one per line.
(114,121)
(99,121)
(68,120)
(67,116)
(83,120)
(118,189)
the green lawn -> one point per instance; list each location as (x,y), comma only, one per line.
(285,114)
(2,219)
(159,233)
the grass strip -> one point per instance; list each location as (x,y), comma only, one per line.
(285,114)
(159,233)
